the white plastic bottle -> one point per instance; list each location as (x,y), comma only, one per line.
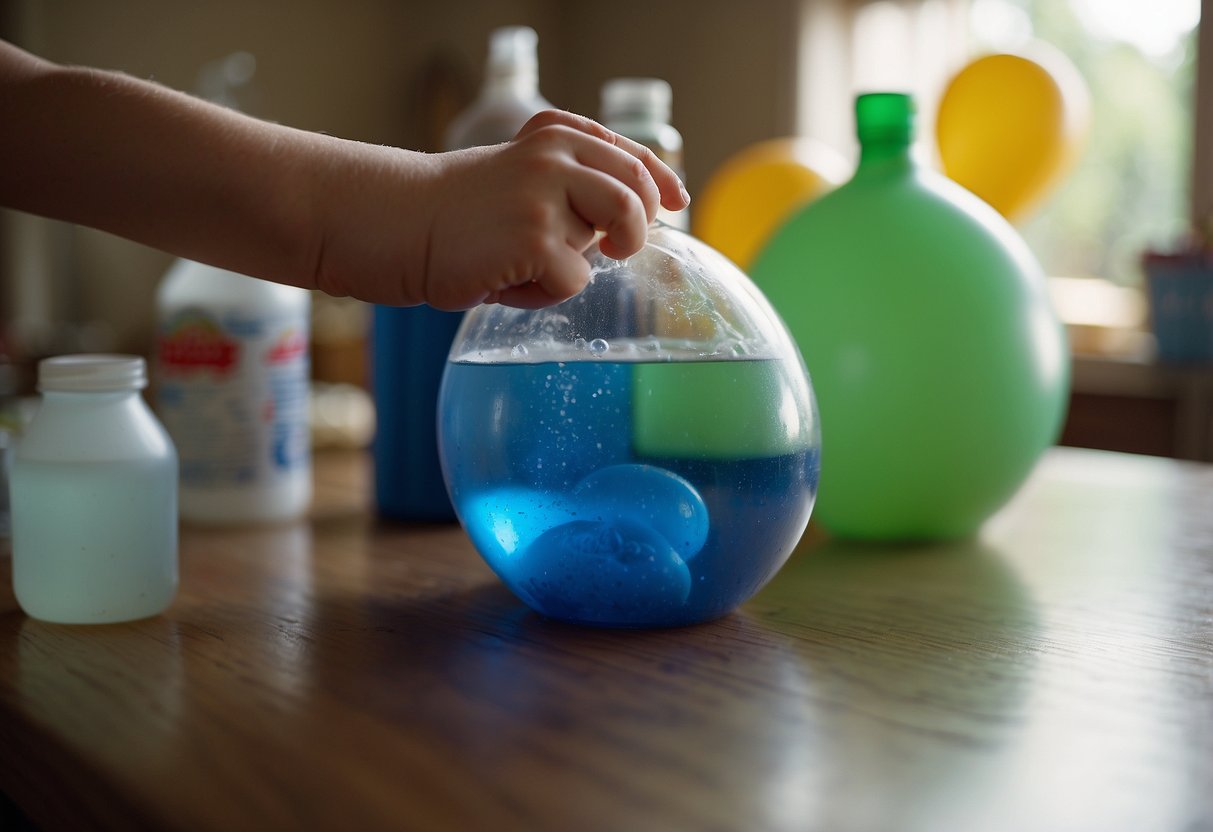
(94,484)
(640,109)
(510,95)
(232,367)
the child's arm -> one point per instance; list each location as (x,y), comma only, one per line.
(504,223)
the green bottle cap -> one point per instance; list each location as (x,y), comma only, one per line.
(884,118)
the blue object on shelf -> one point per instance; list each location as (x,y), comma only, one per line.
(1180,289)
(410,346)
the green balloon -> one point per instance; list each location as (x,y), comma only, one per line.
(940,367)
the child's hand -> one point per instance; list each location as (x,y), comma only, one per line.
(509,223)
(512,222)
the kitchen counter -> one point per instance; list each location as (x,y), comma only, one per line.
(343,673)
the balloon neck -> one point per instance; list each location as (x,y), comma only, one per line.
(885,153)
(884,124)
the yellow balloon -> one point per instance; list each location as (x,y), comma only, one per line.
(1010,126)
(756,189)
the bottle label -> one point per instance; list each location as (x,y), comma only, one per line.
(233,394)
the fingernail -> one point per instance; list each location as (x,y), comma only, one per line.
(682,189)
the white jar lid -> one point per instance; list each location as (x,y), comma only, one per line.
(92,373)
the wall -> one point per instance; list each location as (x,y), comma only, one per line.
(732,66)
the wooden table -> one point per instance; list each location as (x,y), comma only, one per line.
(1056,674)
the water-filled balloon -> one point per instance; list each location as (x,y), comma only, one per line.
(510,519)
(648,495)
(593,571)
(939,364)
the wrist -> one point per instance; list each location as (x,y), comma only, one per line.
(369,220)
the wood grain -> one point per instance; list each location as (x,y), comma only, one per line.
(1055,674)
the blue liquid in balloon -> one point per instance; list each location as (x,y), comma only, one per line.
(543,470)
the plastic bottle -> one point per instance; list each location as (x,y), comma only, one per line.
(232,389)
(509,96)
(640,108)
(940,366)
(94,497)
(410,345)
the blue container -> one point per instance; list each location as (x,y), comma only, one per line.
(644,454)
(409,353)
(1180,290)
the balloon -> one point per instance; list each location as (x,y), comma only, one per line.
(596,572)
(940,367)
(651,496)
(757,188)
(1009,127)
(509,519)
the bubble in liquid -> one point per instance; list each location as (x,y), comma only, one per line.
(519,350)
(599,346)
(579,343)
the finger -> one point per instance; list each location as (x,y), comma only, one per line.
(673,194)
(590,152)
(603,202)
(566,273)
(527,296)
(579,233)
(563,118)
(623,167)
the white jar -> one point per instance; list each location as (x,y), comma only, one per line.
(94,497)
(232,388)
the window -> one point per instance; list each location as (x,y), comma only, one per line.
(1133,187)
(852,46)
